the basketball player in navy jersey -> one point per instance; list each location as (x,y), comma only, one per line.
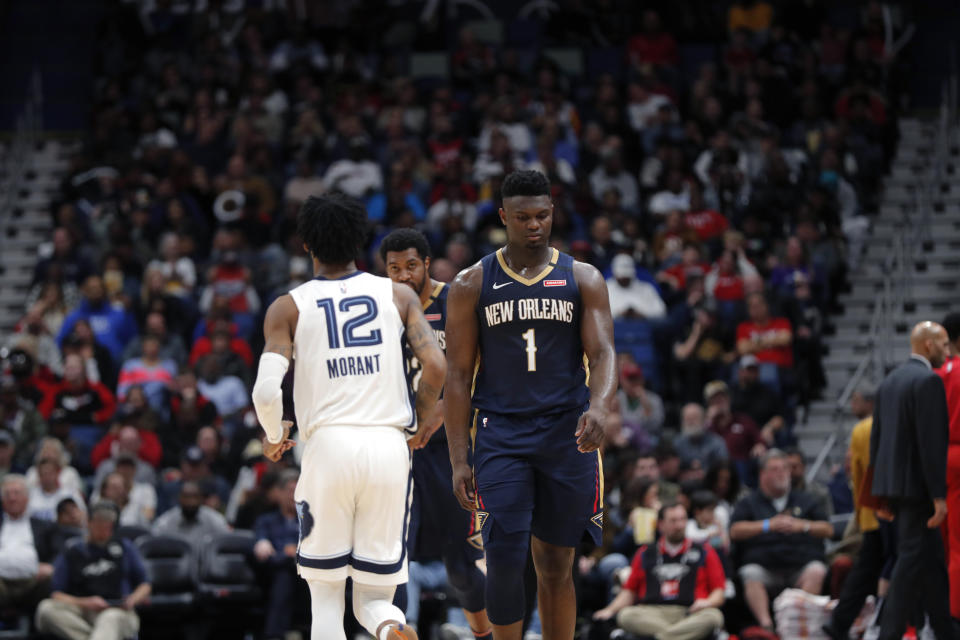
(535,318)
(437,524)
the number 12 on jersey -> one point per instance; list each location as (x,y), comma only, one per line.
(349,329)
(531,349)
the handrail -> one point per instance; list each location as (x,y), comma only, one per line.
(898,269)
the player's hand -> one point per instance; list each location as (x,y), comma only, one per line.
(939,513)
(590,430)
(275,451)
(463,486)
(427,426)
(884,513)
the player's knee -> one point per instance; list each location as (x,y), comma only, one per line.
(554,564)
(467,582)
(506,559)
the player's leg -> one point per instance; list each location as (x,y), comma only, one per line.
(555,592)
(326,608)
(506,559)
(568,504)
(378,561)
(325,496)
(453,529)
(505,501)
(468,584)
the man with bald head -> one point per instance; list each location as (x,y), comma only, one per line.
(908,451)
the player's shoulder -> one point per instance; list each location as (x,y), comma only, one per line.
(469,279)
(587,276)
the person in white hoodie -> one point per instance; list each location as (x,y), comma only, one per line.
(630,297)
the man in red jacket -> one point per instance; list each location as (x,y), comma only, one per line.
(950,373)
(83,402)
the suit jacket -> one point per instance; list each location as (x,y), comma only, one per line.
(46,538)
(908,442)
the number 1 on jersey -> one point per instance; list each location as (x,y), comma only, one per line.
(531,349)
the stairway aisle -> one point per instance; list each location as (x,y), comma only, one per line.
(935,285)
(27,227)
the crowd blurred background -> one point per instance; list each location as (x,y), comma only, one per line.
(718,162)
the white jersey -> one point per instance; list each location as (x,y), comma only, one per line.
(348,353)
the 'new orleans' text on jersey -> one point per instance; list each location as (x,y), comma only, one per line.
(531,351)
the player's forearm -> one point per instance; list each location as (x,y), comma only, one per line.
(268,395)
(457,416)
(603,377)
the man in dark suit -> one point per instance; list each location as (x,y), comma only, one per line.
(908,451)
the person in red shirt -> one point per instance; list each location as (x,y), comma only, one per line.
(653,45)
(950,374)
(769,339)
(678,583)
(83,402)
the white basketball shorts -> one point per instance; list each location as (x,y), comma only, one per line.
(353,502)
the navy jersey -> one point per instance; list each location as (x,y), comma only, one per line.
(435,312)
(531,353)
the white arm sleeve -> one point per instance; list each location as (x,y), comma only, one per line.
(267,396)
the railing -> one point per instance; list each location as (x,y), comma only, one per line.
(16,162)
(895,300)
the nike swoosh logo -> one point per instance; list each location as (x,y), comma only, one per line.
(503,284)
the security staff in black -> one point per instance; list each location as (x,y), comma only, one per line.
(679,584)
(96,584)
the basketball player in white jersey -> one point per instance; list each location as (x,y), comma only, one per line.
(345,328)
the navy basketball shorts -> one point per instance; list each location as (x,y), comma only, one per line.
(531,478)
(439,526)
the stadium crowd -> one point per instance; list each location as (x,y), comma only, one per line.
(724,190)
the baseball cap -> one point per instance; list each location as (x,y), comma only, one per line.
(714,388)
(6,438)
(193,455)
(623,266)
(749,360)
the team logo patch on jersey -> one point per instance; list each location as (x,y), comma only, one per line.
(598,519)
(432,317)
(554,283)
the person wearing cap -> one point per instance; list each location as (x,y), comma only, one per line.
(641,410)
(779,534)
(28,546)
(20,419)
(744,440)
(97,583)
(194,468)
(755,399)
(191,519)
(631,298)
